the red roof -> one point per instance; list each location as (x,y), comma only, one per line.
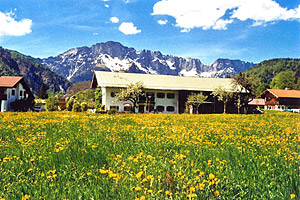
(257,102)
(285,93)
(9,81)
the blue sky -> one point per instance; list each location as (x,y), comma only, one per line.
(249,30)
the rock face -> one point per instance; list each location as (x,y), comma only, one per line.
(78,64)
(13,63)
(225,67)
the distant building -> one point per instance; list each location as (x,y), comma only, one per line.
(281,99)
(162,93)
(11,89)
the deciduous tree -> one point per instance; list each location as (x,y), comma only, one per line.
(196,100)
(131,93)
(222,95)
(284,80)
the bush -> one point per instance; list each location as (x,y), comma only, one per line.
(112,111)
(52,103)
(98,98)
(76,106)
(69,104)
(84,106)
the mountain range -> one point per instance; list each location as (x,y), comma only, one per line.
(78,64)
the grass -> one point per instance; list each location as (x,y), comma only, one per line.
(66,155)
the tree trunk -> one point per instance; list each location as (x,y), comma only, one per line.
(224,107)
(133,107)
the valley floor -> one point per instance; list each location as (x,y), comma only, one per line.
(66,155)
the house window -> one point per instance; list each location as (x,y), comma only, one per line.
(127,108)
(21,93)
(160,108)
(150,96)
(142,97)
(170,108)
(170,95)
(161,95)
(13,92)
(114,107)
(112,94)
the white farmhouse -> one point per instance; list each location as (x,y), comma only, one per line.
(11,89)
(162,93)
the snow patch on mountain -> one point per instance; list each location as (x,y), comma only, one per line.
(78,64)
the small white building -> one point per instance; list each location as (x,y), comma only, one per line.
(162,93)
(11,89)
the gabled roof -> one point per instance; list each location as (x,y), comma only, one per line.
(257,102)
(161,82)
(283,93)
(9,81)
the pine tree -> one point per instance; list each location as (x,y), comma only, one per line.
(43,92)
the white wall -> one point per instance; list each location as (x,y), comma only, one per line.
(110,101)
(11,98)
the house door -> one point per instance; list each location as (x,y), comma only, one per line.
(141,108)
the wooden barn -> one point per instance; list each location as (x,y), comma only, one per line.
(276,99)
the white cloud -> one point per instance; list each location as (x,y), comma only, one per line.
(186,30)
(128,28)
(218,14)
(162,22)
(106,5)
(9,26)
(114,20)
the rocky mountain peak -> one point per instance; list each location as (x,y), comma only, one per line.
(78,64)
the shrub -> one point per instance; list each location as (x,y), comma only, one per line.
(76,106)
(69,104)
(52,103)
(84,106)
(112,111)
(98,98)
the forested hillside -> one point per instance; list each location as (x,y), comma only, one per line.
(268,69)
(13,63)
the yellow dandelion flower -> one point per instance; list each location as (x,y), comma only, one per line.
(211,176)
(167,192)
(192,189)
(217,193)
(139,175)
(137,188)
(192,195)
(103,171)
(149,191)
(26,197)
(142,198)
(149,177)
(293,196)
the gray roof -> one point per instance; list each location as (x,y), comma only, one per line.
(160,82)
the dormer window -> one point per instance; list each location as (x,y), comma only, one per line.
(13,93)
(21,93)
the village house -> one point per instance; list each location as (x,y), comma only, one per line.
(276,99)
(162,93)
(11,89)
